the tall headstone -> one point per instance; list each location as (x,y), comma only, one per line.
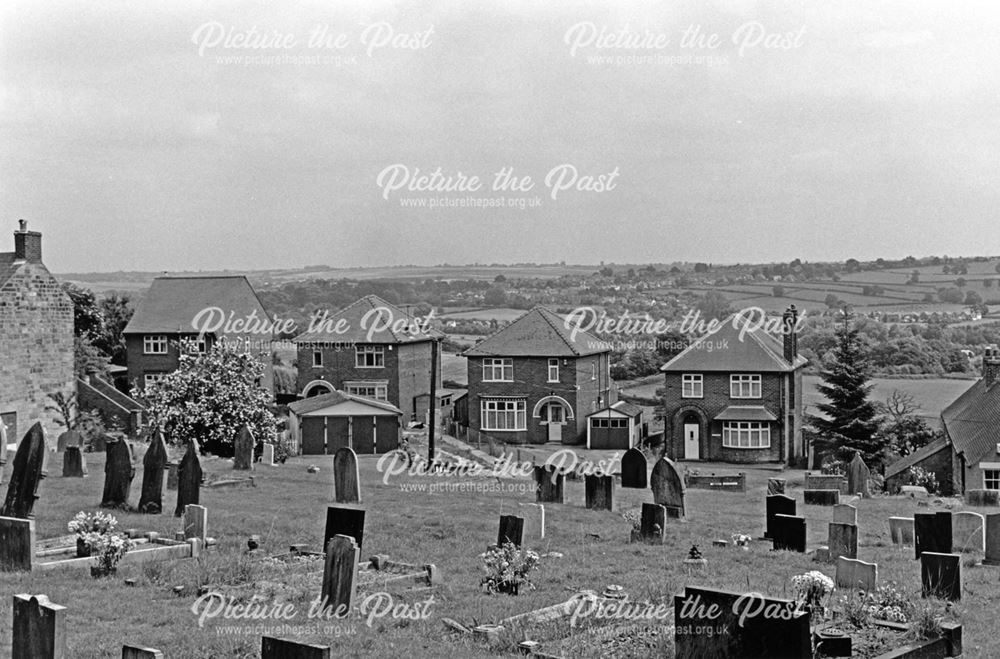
(119,469)
(173,475)
(858,475)
(279,648)
(652,524)
(533,515)
(67,439)
(901,531)
(339,574)
(345,520)
(188,478)
(775,486)
(777,504)
(668,487)
(268,455)
(845,513)
(634,469)
(136,652)
(941,575)
(17,544)
(968,532)
(153,464)
(346,480)
(852,573)
(27,472)
(243,447)
(599,492)
(74,464)
(843,541)
(39,628)
(548,484)
(196,522)
(789,533)
(992,555)
(511,530)
(932,532)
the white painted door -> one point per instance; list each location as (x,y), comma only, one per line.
(556,418)
(691,441)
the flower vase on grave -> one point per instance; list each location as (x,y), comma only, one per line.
(82,548)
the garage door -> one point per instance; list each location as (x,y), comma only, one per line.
(313,435)
(363,434)
(336,433)
(387,434)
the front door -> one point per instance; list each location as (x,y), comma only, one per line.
(691,441)
(556,418)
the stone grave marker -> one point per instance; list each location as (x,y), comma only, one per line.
(845,513)
(119,469)
(992,556)
(195,522)
(775,486)
(268,455)
(345,520)
(852,573)
(901,531)
(634,469)
(153,463)
(777,504)
(968,532)
(339,573)
(26,473)
(136,652)
(843,541)
(821,497)
(74,464)
(548,484)
(599,492)
(789,533)
(914,491)
(243,448)
(668,487)
(511,530)
(39,628)
(941,575)
(346,480)
(188,478)
(932,532)
(173,475)
(826,482)
(277,648)
(653,523)
(17,544)
(67,439)
(858,475)
(533,515)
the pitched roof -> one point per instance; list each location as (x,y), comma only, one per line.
(730,348)
(921,454)
(314,403)
(622,407)
(369,320)
(172,303)
(538,333)
(972,420)
(745,413)
(7,267)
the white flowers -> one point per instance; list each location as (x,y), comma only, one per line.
(812,586)
(97,531)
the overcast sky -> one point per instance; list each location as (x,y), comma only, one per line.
(134,137)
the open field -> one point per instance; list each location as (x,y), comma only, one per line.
(448,529)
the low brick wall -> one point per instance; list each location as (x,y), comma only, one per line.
(724,482)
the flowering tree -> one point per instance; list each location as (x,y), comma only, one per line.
(210,397)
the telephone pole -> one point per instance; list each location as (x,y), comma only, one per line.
(432,405)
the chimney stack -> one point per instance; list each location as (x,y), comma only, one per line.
(991,365)
(27,244)
(790,339)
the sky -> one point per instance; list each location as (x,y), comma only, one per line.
(188,136)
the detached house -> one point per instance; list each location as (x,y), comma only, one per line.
(535,381)
(736,396)
(175,310)
(36,337)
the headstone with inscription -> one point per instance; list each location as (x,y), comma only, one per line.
(668,487)
(549,483)
(346,480)
(968,531)
(777,504)
(153,463)
(27,471)
(188,478)
(39,629)
(599,492)
(852,573)
(932,532)
(243,448)
(119,469)
(339,573)
(901,531)
(74,464)
(858,475)
(845,513)
(843,541)
(652,524)
(634,469)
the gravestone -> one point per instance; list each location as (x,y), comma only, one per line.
(992,556)
(653,523)
(26,473)
(852,573)
(345,520)
(268,455)
(826,482)
(777,504)
(119,469)
(339,574)
(941,575)
(598,492)
(135,652)
(173,475)
(511,530)
(346,481)
(39,629)
(668,487)
(720,624)
(845,513)
(74,464)
(188,478)
(968,532)
(789,533)
(153,463)
(982,498)
(634,469)
(901,531)
(278,648)
(548,484)
(243,448)
(843,541)
(821,497)
(195,522)
(533,515)
(775,486)
(914,491)
(858,475)
(932,532)
(67,439)
(17,544)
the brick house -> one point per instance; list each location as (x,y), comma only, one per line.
(369,348)
(168,314)
(733,398)
(535,382)
(36,337)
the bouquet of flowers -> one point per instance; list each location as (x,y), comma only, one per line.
(506,568)
(812,587)
(111,548)
(741,540)
(90,528)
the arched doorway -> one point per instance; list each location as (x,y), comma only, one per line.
(553,412)
(316,388)
(692,436)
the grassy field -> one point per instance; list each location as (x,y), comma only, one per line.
(449,529)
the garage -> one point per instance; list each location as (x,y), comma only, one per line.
(617,427)
(322,424)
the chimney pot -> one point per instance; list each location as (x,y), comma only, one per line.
(27,244)
(790,340)
(991,364)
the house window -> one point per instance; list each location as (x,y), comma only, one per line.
(196,344)
(497,369)
(593,371)
(376,391)
(692,385)
(991,479)
(746,434)
(744,386)
(609,423)
(504,414)
(553,370)
(369,357)
(317,358)
(154,344)
(152,378)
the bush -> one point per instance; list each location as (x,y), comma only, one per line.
(919,476)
